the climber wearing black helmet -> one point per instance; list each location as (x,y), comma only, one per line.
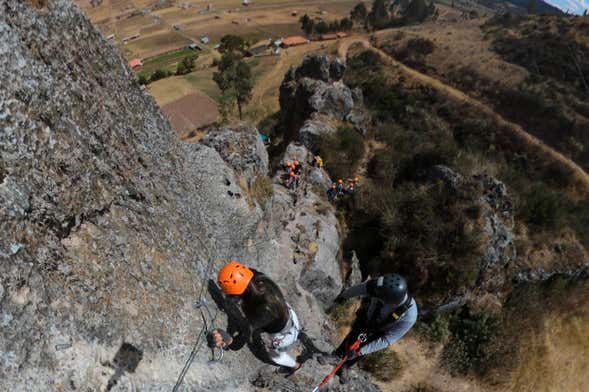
(390,313)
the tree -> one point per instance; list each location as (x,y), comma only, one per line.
(310,27)
(142,79)
(234,78)
(346,24)
(186,65)
(321,27)
(306,23)
(359,13)
(159,74)
(334,26)
(232,43)
(378,16)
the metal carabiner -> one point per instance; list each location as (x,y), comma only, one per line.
(362,337)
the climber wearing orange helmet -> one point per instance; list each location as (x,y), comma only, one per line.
(340,186)
(297,167)
(293,180)
(266,311)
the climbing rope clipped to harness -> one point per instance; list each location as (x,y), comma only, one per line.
(354,347)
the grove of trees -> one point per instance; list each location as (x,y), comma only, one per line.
(310,26)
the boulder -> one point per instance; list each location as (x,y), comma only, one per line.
(334,100)
(241,147)
(313,130)
(336,69)
(315,66)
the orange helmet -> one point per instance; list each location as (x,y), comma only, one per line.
(295,163)
(292,174)
(234,278)
(340,181)
(286,163)
(356,178)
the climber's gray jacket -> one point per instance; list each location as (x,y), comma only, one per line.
(377,310)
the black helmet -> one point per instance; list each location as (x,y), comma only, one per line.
(390,288)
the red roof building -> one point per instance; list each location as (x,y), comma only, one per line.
(135,63)
(294,41)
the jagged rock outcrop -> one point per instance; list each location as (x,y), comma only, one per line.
(496,223)
(111,226)
(314,88)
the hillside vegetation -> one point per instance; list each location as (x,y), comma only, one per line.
(530,69)
(419,212)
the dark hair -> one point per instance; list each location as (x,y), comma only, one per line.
(263,304)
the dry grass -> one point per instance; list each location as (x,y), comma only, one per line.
(39,3)
(261,190)
(556,359)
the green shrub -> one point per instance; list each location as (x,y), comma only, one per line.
(143,79)
(471,333)
(342,152)
(159,74)
(186,65)
(427,238)
(437,329)
(542,207)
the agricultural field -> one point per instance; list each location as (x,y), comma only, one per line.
(160,38)
(186,107)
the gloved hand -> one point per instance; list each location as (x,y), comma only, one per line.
(219,338)
(354,354)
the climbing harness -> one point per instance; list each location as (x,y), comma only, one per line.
(354,347)
(289,333)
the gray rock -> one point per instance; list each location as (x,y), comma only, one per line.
(334,100)
(110,225)
(312,131)
(355,274)
(310,90)
(315,66)
(336,69)
(241,147)
(445,174)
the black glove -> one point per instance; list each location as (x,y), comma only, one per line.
(224,335)
(354,354)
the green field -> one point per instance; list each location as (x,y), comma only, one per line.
(203,81)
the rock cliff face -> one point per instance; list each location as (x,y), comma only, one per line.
(314,89)
(110,226)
